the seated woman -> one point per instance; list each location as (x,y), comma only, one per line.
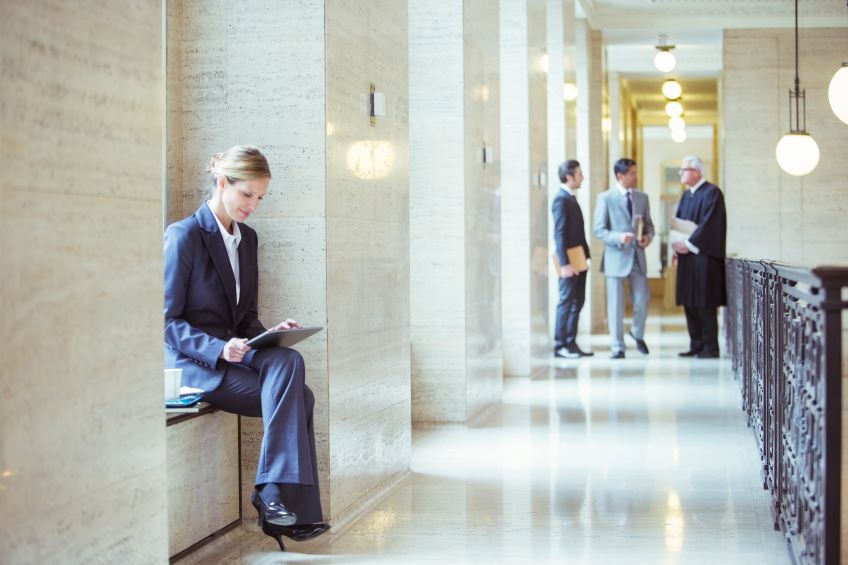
(211,289)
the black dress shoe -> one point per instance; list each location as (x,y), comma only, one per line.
(579,352)
(690,353)
(303,532)
(272,512)
(707,355)
(640,344)
(617,355)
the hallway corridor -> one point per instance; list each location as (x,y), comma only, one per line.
(641,461)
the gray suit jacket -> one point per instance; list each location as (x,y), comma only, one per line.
(611,221)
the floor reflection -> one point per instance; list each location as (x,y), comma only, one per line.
(643,460)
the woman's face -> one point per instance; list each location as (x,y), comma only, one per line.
(241,198)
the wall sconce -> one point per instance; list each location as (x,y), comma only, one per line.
(664,61)
(487,155)
(671,89)
(797,152)
(545,63)
(378,105)
(837,92)
(569,92)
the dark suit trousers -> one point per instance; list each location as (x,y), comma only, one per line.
(273,386)
(572,295)
(703,328)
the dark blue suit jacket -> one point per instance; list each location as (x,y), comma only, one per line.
(201,313)
(568,225)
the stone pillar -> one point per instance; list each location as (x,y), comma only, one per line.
(556,136)
(524,217)
(590,153)
(82,454)
(333,233)
(454,210)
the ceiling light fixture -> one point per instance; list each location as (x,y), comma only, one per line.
(664,61)
(671,89)
(676,123)
(674,109)
(837,93)
(569,92)
(679,135)
(797,152)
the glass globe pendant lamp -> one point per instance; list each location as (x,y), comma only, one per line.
(837,93)
(664,60)
(671,89)
(797,152)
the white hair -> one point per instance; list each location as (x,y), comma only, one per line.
(695,163)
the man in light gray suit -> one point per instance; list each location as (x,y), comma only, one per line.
(619,213)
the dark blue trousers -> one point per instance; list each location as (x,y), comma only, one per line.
(572,295)
(272,385)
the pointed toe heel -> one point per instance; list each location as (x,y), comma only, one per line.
(270,531)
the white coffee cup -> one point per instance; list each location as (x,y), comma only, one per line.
(173,379)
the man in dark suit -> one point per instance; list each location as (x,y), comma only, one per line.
(569,232)
(700,259)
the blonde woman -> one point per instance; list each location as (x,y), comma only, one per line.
(211,289)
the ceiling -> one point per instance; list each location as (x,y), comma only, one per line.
(699,99)
(680,15)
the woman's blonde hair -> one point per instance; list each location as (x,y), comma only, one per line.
(240,162)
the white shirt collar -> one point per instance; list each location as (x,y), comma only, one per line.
(692,189)
(228,237)
(622,190)
(564,186)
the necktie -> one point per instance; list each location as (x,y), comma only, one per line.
(630,203)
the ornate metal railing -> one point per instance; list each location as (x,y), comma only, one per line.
(783,327)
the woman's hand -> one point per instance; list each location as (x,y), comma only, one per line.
(235,350)
(287,325)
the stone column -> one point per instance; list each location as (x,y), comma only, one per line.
(590,153)
(82,451)
(524,216)
(454,210)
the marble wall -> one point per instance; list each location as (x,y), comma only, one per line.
(590,153)
(82,453)
(758,72)
(454,210)
(524,213)
(293,78)
(368,296)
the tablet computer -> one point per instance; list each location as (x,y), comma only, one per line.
(282,338)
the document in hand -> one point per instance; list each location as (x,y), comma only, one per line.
(282,338)
(576,258)
(680,230)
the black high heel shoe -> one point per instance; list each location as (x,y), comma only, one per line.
(297,533)
(272,513)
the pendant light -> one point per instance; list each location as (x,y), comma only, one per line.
(674,109)
(797,152)
(664,61)
(837,93)
(671,89)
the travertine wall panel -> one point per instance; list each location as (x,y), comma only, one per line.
(454,210)
(82,455)
(802,214)
(367,250)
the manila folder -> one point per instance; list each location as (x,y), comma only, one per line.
(576,258)
(684,226)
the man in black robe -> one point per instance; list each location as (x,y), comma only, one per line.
(701,286)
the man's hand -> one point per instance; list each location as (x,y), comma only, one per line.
(627,237)
(674,260)
(287,325)
(644,241)
(680,248)
(235,350)
(567,271)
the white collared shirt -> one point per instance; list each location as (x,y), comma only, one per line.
(692,189)
(624,191)
(564,186)
(231,243)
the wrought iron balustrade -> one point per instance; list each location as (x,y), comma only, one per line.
(783,328)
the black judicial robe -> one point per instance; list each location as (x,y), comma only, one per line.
(700,278)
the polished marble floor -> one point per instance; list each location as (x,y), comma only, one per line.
(645,460)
